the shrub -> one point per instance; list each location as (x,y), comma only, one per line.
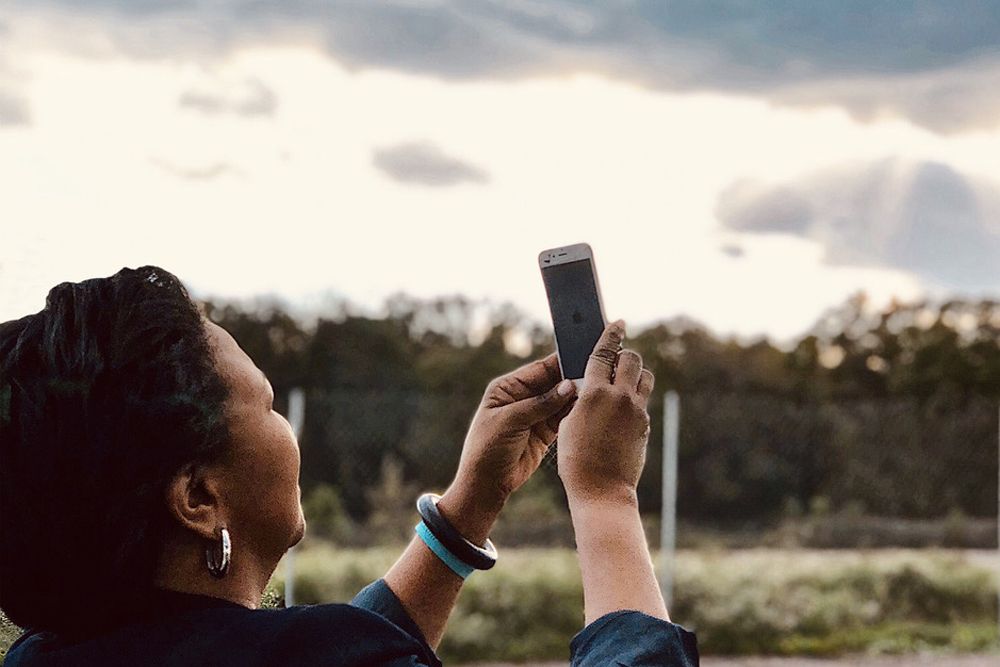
(743,602)
(739,602)
(325,514)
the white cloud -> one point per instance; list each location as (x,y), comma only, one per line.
(250,98)
(917,59)
(425,164)
(921,217)
(13,110)
(636,173)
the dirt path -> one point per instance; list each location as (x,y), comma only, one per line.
(977,660)
(983,660)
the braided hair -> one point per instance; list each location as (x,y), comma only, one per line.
(105,394)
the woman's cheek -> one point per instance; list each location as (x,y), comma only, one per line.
(285,447)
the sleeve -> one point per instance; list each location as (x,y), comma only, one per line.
(630,638)
(379,598)
(14,656)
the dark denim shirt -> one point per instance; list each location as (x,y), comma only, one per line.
(187,629)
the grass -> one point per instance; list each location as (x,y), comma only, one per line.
(739,602)
(745,602)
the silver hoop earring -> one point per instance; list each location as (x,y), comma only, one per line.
(218,569)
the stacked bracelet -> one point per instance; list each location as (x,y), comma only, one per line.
(448,558)
(459,554)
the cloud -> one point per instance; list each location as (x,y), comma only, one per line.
(925,60)
(732,250)
(921,217)
(947,101)
(425,164)
(207,173)
(252,98)
(13,110)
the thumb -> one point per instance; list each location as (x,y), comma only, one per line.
(530,411)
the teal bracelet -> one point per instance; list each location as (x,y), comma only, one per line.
(449,559)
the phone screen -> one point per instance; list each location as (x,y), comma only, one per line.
(576,313)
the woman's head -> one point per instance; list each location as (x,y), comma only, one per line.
(131,430)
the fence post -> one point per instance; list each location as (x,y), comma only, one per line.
(668,512)
(296,418)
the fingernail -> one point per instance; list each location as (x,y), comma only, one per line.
(565,388)
(620,325)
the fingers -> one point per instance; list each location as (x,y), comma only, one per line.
(605,355)
(531,410)
(554,420)
(531,379)
(627,371)
(548,434)
(645,383)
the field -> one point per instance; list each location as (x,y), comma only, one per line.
(748,602)
(741,603)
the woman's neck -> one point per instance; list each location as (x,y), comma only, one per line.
(182,567)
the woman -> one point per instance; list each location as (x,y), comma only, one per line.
(148,491)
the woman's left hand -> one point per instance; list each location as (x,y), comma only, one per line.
(517,420)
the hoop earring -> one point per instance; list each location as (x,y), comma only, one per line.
(218,569)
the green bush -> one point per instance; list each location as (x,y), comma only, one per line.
(535,516)
(739,602)
(325,514)
(831,602)
(742,602)
(527,607)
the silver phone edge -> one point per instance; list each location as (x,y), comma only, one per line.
(578,382)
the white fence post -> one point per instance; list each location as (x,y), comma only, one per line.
(296,418)
(668,512)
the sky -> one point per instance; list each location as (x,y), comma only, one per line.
(746,165)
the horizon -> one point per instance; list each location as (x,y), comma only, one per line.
(307,314)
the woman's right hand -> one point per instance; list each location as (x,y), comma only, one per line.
(602,441)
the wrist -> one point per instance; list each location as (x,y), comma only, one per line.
(604,521)
(472,515)
(618,498)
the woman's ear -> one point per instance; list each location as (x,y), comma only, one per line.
(194,499)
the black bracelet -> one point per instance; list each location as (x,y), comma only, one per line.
(480,558)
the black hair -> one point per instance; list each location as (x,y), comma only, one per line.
(105,394)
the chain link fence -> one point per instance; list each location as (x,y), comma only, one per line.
(754,469)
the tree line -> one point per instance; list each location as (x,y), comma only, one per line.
(889,411)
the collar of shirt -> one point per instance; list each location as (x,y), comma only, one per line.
(165,600)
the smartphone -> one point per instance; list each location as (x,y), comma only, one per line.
(574,295)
